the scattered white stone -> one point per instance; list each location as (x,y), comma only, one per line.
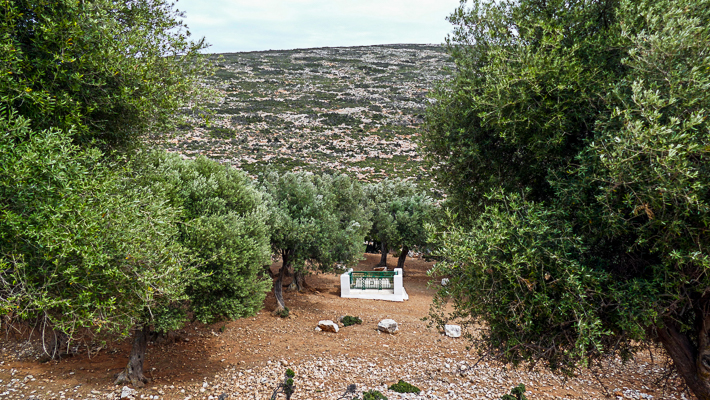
(127,393)
(318,329)
(328,326)
(388,326)
(453,331)
(444,281)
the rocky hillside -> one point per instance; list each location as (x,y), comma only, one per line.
(358,110)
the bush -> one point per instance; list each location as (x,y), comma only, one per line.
(373,395)
(349,320)
(105,70)
(572,141)
(316,223)
(404,387)
(282,313)
(516,393)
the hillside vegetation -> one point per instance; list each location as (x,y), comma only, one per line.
(357,109)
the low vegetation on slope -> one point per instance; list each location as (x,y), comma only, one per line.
(358,110)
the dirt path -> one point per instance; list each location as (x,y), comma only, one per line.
(246,358)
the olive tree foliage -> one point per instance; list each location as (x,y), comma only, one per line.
(223,227)
(316,222)
(83,249)
(112,71)
(574,142)
(399,213)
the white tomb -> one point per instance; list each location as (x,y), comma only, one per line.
(373,285)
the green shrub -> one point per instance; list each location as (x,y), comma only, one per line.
(588,230)
(516,393)
(286,387)
(373,395)
(82,246)
(217,132)
(316,222)
(104,71)
(283,313)
(404,387)
(349,320)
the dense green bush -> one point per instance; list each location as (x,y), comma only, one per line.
(373,395)
(516,393)
(86,245)
(224,229)
(573,142)
(404,387)
(350,320)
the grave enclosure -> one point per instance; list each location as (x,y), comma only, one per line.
(373,285)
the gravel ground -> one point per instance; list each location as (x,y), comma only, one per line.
(327,378)
(247,358)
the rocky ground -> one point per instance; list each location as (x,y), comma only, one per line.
(357,110)
(246,359)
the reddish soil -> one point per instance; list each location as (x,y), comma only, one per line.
(254,342)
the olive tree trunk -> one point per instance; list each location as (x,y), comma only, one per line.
(278,284)
(383,259)
(402,257)
(298,282)
(692,363)
(133,373)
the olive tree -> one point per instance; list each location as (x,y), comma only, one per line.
(573,141)
(222,227)
(112,71)
(399,216)
(316,222)
(83,250)
(76,224)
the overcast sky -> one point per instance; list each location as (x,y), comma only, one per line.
(246,25)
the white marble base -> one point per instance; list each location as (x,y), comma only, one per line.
(374,294)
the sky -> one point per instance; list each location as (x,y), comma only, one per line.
(249,25)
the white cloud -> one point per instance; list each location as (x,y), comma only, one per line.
(243,25)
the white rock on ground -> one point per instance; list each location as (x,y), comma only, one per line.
(388,326)
(127,393)
(453,331)
(328,326)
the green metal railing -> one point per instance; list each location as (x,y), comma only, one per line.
(372,280)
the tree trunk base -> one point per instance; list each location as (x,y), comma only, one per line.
(298,283)
(278,288)
(688,360)
(129,376)
(133,373)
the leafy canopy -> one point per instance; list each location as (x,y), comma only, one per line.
(399,213)
(573,141)
(82,247)
(223,226)
(112,71)
(319,219)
